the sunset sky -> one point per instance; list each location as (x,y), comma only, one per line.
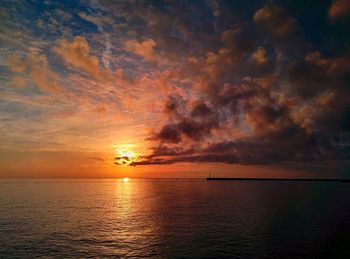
(174,88)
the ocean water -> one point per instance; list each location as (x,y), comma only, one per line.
(67,218)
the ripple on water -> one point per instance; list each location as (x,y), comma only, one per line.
(167,219)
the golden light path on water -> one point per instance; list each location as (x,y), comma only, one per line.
(135,227)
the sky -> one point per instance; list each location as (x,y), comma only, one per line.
(183,88)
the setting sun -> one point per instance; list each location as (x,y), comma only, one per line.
(125,157)
(126,153)
(125,179)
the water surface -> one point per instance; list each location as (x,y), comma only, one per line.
(173,219)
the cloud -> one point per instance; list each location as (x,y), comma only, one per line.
(100,159)
(98,20)
(145,49)
(240,39)
(274,20)
(34,66)
(169,133)
(76,54)
(218,63)
(224,81)
(256,104)
(250,151)
(259,57)
(210,158)
(339,8)
(123,160)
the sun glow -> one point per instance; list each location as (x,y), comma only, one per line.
(126,153)
(125,156)
(125,179)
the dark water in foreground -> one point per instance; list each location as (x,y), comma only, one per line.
(173,219)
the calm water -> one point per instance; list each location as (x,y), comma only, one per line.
(173,219)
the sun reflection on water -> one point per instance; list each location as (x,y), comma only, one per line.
(135,224)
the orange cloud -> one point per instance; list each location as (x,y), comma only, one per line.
(316,59)
(259,56)
(16,64)
(144,48)
(77,54)
(217,63)
(275,21)
(306,115)
(339,8)
(36,67)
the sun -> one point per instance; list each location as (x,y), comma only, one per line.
(125,179)
(125,157)
(126,153)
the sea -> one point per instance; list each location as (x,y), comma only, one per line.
(173,218)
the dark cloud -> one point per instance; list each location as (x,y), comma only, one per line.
(240,39)
(290,145)
(191,159)
(123,160)
(263,97)
(306,80)
(168,134)
(97,159)
(196,130)
(174,133)
(175,106)
(201,110)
